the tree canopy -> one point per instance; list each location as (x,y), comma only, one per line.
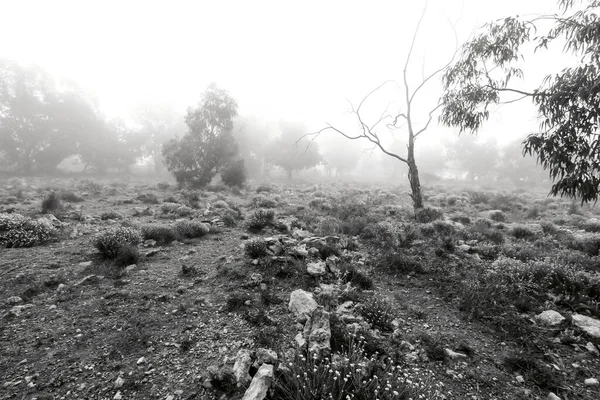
(567,102)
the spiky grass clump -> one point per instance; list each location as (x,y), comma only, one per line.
(176,209)
(191,229)
(51,204)
(163,234)
(109,242)
(260,219)
(19,231)
(256,248)
(379,313)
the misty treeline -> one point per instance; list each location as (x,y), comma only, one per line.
(44,122)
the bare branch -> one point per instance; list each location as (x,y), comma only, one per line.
(428,121)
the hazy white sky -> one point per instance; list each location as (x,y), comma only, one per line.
(280,59)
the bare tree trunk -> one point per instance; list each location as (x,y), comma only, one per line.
(413,174)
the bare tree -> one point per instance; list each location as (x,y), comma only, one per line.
(402,120)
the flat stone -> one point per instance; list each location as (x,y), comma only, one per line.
(453,355)
(14,300)
(260,383)
(589,325)
(591,382)
(241,368)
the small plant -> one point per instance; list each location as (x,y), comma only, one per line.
(51,204)
(263,202)
(260,219)
(191,229)
(428,214)
(237,301)
(264,187)
(256,248)
(163,234)
(126,255)
(356,277)
(398,263)
(522,232)
(234,174)
(109,242)
(498,216)
(19,231)
(92,187)
(148,198)
(379,313)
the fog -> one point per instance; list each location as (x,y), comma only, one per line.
(292,68)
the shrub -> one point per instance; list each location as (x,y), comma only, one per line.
(351,375)
(329,226)
(163,186)
(51,204)
(522,232)
(110,215)
(399,263)
(220,204)
(148,198)
(163,234)
(354,225)
(549,228)
(592,225)
(109,242)
(260,218)
(127,255)
(428,214)
(263,202)
(379,313)
(463,219)
(356,277)
(229,218)
(92,187)
(176,209)
(351,209)
(256,248)
(264,187)
(237,301)
(19,231)
(70,197)
(191,229)
(234,174)
(498,216)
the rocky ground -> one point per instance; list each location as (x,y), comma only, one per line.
(492,295)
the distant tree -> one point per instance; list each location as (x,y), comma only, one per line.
(209,144)
(340,156)
(290,154)
(518,169)
(234,173)
(373,129)
(253,137)
(568,102)
(108,145)
(156,125)
(477,159)
(432,159)
(39,125)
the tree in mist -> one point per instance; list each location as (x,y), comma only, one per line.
(39,125)
(340,156)
(517,169)
(568,103)
(403,119)
(253,137)
(478,159)
(290,154)
(209,144)
(157,124)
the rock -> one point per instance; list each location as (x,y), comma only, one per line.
(313,252)
(89,280)
(464,248)
(130,268)
(141,360)
(591,382)
(300,341)
(300,234)
(118,396)
(119,382)
(317,268)
(260,383)
(454,355)
(589,325)
(552,396)
(332,263)
(592,349)
(265,356)
(318,332)
(61,288)
(329,290)
(550,318)
(12,300)
(241,368)
(302,304)
(299,251)
(520,379)
(153,252)
(150,243)
(85,264)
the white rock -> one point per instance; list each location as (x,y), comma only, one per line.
(454,355)
(260,383)
(118,396)
(241,368)
(591,382)
(550,318)
(14,300)
(592,349)
(266,356)
(589,325)
(119,382)
(318,332)
(520,379)
(552,396)
(302,303)
(141,360)
(317,268)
